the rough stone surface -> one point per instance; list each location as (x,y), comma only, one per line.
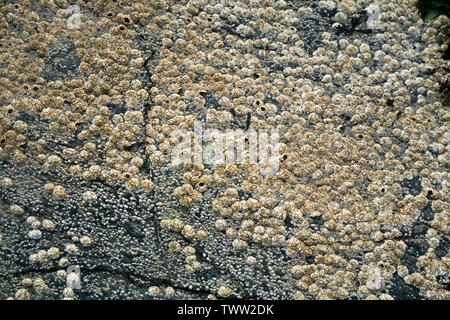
(358,208)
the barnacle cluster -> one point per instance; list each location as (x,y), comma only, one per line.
(358,208)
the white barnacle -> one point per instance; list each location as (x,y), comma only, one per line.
(35,234)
